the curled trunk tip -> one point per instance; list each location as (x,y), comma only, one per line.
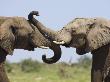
(47,60)
(30,16)
(50,60)
(55,58)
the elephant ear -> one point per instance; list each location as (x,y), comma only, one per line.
(98,36)
(7,39)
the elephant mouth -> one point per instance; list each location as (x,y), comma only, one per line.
(63,43)
(69,44)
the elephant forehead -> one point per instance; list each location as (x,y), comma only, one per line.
(76,23)
(84,21)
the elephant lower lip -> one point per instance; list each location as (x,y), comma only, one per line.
(67,45)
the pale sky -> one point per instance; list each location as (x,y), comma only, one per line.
(54,14)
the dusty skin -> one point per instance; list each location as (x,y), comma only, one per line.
(86,35)
(19,33)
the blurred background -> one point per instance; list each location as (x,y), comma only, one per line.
(53,14)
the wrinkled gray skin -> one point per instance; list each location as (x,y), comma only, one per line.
(78,41)
(19,33)
(84,34)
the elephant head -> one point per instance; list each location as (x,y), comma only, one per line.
(87,34)
(84,34)
(19,33)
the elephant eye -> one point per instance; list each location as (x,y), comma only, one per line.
(13,29)
(73,31)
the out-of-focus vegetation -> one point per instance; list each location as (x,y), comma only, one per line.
(32,71)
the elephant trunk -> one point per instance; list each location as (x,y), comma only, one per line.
(58,37)
(46,32)
(49,33)
(57,54)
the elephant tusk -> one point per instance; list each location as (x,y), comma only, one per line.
(59,42)
(43,47)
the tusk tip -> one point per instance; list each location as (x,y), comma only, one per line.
(43,47)
(62,42)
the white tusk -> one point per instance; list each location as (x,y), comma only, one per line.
(59,42)
(43,47)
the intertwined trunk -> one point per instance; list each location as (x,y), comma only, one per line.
(56,48)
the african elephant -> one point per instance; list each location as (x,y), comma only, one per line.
(19,33)
(84,34)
